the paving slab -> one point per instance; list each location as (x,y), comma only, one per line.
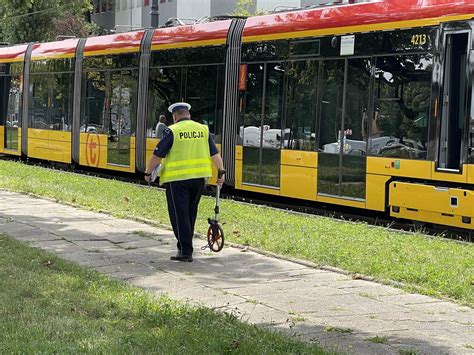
(38,237)
(317,306)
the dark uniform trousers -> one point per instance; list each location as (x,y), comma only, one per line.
(183,198)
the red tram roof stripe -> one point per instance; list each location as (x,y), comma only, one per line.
(59,49)
(202,34)
(12,54)
(123,42)
(363,14)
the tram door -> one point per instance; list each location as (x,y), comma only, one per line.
(10,82)
(343,128)
(122,113)
(453,110)
(262,132)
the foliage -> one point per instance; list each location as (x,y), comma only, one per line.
(429,265)
(51,306)
(43,20)
(246,8)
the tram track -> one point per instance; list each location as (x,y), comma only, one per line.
(300,207)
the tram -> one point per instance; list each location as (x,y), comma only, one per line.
(365,105)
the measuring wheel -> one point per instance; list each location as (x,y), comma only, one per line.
(215,236)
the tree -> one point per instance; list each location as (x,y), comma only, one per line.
(246,8)
(43,20)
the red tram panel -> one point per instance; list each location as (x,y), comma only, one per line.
(357,18)
(112,44)
(59,49)
(213,33)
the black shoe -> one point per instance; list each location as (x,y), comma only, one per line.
(181,257)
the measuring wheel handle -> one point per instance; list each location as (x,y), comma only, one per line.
(215,236)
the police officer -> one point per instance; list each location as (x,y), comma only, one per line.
(188,148)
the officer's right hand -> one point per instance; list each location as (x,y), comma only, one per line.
(220,181)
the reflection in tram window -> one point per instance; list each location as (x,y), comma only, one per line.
(273,140)
(399,127)
(50,94)
(265,51)
(262,134)
(110,103)
(204,92)
(103,82)
(251,132)
(122,122)
(10,91)
(355,128)
(195,75)
(331,105)
(330,127)
(95,105)
(301,105)
(164,88)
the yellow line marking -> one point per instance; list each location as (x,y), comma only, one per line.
(12,60)
(112,51)
(53,56)
(211,42)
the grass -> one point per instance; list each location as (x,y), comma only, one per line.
(377,339)
(432,266)
(143,234)
(330,328)
(51,306)
(408,352)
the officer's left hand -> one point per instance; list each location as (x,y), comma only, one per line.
(147,179)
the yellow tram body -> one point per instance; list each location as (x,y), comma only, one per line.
(95,102)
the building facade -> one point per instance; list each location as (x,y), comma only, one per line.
(127,15)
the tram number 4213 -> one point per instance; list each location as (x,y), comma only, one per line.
(419,39)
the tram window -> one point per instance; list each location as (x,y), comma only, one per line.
(10,91)
(331,105)
(51,66)
(122,118)
(357,104)
(471,123)
(355,136)
(204,92)
(50,98)
(305,48)
(273,138)
(95,106)
(128,101)
(251,132)
(5,85)
(103,62)
(399,126)
(122,103)
(188,56)
(301,105)
(164,88)
(330,126)
(423,39)
(110,102)
(266,51)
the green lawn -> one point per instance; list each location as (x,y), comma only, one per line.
(51,306)
(433,266)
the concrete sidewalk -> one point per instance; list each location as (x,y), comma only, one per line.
(315,305)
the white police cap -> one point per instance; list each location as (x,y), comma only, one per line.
(179,106)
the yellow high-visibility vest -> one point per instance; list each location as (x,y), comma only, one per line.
(189,157)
